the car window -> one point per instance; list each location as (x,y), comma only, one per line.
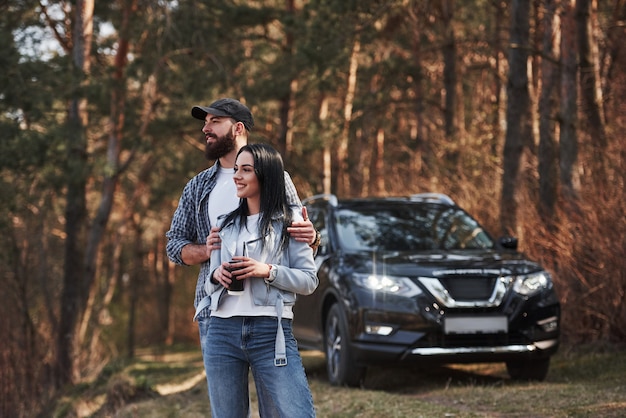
(460,231)
(401,227)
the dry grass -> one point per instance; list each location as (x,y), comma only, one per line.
(585,382)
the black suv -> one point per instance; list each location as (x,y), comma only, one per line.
(415,279)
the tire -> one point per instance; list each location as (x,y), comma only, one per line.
(340,364)
(534,369)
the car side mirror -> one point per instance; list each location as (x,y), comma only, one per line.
(510,243)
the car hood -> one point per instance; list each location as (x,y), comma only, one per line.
(436,263)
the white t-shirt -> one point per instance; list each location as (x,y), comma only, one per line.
(223,198)
(243,305)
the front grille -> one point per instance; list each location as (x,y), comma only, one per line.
(469,288)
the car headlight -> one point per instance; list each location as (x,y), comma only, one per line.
(401,286)
(530,284)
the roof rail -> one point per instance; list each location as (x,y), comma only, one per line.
(332,199)
(432,197)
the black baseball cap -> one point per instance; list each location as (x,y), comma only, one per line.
(225,107)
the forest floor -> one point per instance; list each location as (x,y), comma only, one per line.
(582,382)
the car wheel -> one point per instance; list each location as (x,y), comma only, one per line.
(535,369)
(342,369)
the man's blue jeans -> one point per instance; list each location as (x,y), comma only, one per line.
(232,346)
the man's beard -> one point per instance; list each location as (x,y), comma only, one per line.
(220,147)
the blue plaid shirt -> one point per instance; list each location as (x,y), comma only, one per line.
(191,224)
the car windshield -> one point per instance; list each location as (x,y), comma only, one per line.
(409,227)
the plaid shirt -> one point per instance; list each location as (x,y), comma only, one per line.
(191,224)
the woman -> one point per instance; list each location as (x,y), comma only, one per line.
(252,330)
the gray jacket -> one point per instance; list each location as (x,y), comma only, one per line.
(295,267)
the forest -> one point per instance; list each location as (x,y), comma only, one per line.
(514,108)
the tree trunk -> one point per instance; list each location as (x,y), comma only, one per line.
(568,150)
(590,89)
(377,173)
(287,109)
(517,116)
(133,290)
(327,161)
(288,102)
(360,152)
(613,73)
(73,296)
(534,66)
(499,110)
(113,169)
(419,134)
(449,71)
(168,281)
(548,169)
(343,186)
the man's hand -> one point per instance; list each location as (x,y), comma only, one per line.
(303,231)
(199,253)
(213,240)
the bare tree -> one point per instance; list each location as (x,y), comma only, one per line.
(518,113)
(548,168)
(449,69)
(591,93)
(80,268)
(288,101)
(499,114)
(320,121)
(343,175)
(416,18)
(114,147)
(75,212)
(615,60)
(568,149)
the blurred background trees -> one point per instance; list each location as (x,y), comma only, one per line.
(515,109)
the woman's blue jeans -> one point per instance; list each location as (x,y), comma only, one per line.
(232,346)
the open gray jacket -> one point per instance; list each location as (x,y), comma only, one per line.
(295,267)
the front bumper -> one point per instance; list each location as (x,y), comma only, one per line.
(507,349)
(538,349)
(372,354)
(397,334)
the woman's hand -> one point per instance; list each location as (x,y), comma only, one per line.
(249,267)
(240,268)
(222,275)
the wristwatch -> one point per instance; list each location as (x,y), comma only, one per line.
(273,273)
(316,242)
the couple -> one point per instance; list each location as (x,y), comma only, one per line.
(245,209)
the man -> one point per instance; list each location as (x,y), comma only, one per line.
(210,194)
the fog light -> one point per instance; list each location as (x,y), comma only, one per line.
(549,324)
(378,329)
